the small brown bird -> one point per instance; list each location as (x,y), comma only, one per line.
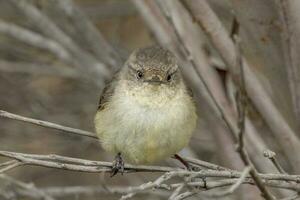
(146,112)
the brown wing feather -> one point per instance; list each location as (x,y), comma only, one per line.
(190,91)
(107,92)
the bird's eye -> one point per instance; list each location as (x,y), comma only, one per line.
(169,77)
(139,74)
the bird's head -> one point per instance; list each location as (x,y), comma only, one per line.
(153,66)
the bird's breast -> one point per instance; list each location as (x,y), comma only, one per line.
(147,127)
(152,107)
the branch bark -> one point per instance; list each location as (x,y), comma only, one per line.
(46,124)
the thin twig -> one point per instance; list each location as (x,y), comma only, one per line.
(87,63)
(204,164)
(290,30)
(9,115)
(7,163)
(271,156)
(146,186)
(39,69)
(35,39)
(29,187)
(92,190)
(234,186)
(11,166)
(91,35)
(176,192)
(242,107)
(293,197)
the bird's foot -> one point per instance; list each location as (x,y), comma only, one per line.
(185,163)
(203,178)
(118,165)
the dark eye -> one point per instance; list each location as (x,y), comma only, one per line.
(139,74)
(169,77)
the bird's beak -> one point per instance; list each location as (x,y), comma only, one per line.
(155,80)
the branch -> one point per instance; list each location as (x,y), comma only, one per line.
(35,40)
(39,69)
(29,187)
(209,22)
(46,124)
(290,18)
(205,164)
(91,35)
(87,63)
(293,197)
(76,164)
(91,190)
(235,185)
(146,186)
(9,165)
(209,185)
(271,155)
(230,177)
(242,107)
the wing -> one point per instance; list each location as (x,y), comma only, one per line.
(190,91)
(107,92)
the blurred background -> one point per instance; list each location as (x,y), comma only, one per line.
(55,57)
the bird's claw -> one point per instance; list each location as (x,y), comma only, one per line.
(117,166)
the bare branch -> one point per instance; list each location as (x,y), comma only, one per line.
(40,69)
(91,35)
(88,64)
(10,166)
(146,186)
(176,192)
(242,107)
(209,185)
(271,155)
(293,197)
(204,164)
(218,35)
(290,18)
(46,124)
(35,40)
(28,187)
(91,190)
(236,185)
(76,164)
(231,177)
(7,163)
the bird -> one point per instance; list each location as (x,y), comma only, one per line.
(146,113)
